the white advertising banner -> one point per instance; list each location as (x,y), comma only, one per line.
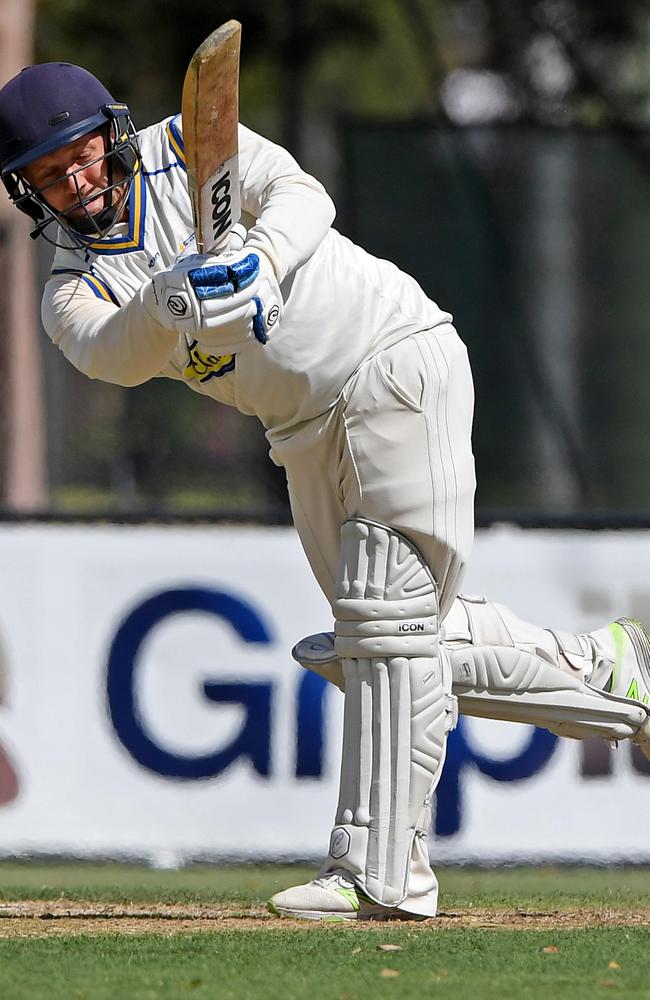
(150,708)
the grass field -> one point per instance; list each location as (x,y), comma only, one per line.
(116,932)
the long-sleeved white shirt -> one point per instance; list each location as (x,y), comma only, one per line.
(341,305)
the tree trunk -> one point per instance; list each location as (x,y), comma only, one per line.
(22,445)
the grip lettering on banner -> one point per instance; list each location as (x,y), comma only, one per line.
(310,725)
(253,741)
(254,738)
(534,756)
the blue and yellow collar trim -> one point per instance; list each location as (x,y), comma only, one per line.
(134,239)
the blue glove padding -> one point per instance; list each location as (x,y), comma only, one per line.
(215,280)
(226,302)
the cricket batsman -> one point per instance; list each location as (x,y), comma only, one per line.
(365,392)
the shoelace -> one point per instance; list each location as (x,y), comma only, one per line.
(338,877)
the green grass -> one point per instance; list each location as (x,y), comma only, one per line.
(119,883)
(550,888)
(329,962)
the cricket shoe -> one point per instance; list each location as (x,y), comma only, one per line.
(333,896)
(622,667)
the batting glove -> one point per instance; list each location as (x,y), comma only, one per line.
(226,302)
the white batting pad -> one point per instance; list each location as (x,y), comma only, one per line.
(507,669)
(398,707)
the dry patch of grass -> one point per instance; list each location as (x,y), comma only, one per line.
(36,918)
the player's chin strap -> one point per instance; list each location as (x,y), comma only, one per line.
(398,707)
(505,669)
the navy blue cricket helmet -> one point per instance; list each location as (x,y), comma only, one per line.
(42,109)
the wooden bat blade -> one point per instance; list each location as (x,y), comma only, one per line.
(210,111)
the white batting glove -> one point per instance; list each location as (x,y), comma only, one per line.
(226,302)
(237,237)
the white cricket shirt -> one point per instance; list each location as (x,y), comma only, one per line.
(342,305)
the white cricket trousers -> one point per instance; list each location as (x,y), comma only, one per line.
(396,449)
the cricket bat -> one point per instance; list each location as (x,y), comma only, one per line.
(210,110)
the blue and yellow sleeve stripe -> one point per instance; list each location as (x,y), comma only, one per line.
(176,141)
(99,287)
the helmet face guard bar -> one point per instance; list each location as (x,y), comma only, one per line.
(122,155)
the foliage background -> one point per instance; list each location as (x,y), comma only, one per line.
(557,431)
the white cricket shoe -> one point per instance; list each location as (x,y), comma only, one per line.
(624,669)
(333,896)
